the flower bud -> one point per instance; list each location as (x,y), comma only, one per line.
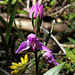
(49,59)
(37,8)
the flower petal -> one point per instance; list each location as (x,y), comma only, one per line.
(31,11)
(23,46)
(35,10)
(41,46)
(19,64)
(14,64)
(15,71)
(22,68)
(55,62)
(31,36)
(22,60)
(26,58)
(48,58)
(13,67)
(49,55)
(41,11)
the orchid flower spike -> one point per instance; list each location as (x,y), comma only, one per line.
(34,43)
(37,8)
(49,59)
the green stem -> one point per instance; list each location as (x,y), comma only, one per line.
(35,28)
(36,61)
(7,49)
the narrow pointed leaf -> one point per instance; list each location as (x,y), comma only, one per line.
(71,40)
(11,21)
(9,7)
(37,20)
(38,24)
(52,2)
(3,22)
(48,36)
(55,70)
(22,12)
(47,39)
(19,32)
(3,39)
(32,20)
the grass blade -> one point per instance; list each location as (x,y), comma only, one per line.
(19,32)
(3,39)
(48,36)
(11,21)
(32,20)
(3,22)
(9,7)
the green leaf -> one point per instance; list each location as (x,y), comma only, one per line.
(48,36)
(73,65)
(71,40)
(3,22)
(55,70)
(67,66)
(4,2)
(3,39)
(52,28)
(32,20)
(65,16)
(72,60)
(11,21)
(9,7)
(40,52)
(71,16)
(46,40)
(38,24)
(22,12)
(70,54)
(16,0)
(37,20)
(19,32)
(73,50)
(47,7)
(52,2)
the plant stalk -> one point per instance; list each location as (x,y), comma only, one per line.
(36,61)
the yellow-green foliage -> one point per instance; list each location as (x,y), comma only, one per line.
(5,1)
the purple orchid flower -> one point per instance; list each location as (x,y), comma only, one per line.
(34,43)
(37,8)
(49,59)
